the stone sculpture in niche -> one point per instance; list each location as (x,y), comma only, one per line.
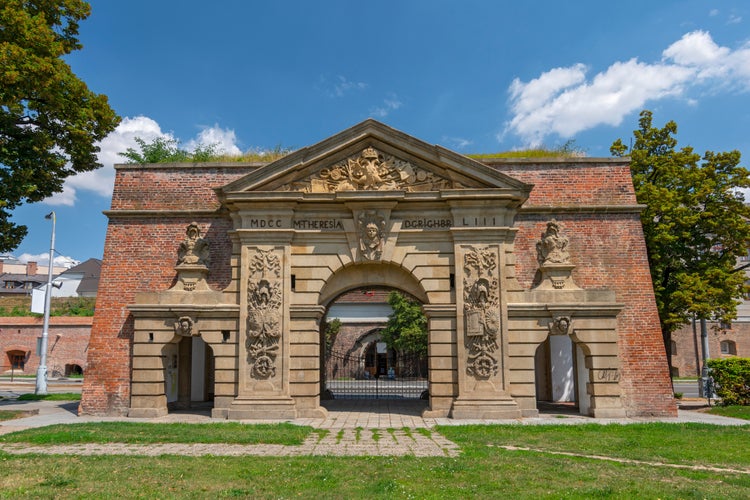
(184,326)
(371,235)
(481,311)
(264,315)
(194,249)
(555,266)
(552,248)
(372,170)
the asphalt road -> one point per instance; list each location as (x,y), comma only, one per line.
(688,388)
(28,386)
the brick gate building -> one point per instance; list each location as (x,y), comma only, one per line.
(532,274)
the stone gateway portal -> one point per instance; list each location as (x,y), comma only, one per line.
(532,275)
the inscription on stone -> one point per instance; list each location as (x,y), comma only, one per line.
(477,221)
(606,375)
(319,224)
(265,223)
(426,224)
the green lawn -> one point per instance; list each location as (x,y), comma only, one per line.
(483,470)
(732,411)
(12,414)
(62,396)
(139,433)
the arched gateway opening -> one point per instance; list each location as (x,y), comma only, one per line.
(358,361)
(373,208)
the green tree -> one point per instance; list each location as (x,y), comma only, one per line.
(406,329)
(695,224)
(49,120)
(332,330)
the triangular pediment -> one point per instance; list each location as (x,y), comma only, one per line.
(371,156)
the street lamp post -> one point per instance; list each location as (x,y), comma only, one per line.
(41,373)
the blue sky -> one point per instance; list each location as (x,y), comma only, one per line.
(473,76)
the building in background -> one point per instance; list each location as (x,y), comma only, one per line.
(68,335)
(724,340)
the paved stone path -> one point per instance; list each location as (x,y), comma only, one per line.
(345,442)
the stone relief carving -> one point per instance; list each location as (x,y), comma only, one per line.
(184,326)
(264,315)
(371,235)
(372,170)
(481,311)
(560,325)
(193,250)
(552,248)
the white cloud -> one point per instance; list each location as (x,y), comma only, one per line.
(734,19)
(390,103)
(43,259)
(563,101)
(717,65)
(101,181)
(339,87)
(343,86)
(457,142)
(225,140)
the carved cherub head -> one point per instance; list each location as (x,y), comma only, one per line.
(372,231)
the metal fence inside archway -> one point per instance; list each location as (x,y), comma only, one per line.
(364,375)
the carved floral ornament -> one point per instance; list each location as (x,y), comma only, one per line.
(264,318)
(481,311)
(372,170)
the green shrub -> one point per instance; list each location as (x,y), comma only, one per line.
(732,379)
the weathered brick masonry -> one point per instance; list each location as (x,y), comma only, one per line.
(592,198)
(68,342)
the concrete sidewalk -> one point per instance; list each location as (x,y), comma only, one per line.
(365,414)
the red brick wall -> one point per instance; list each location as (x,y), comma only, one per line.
(67,339)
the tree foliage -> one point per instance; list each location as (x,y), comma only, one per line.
(732,379)
(49,120)
(162,150)
(695,224)
(165,150)
(332,329)
(406,329)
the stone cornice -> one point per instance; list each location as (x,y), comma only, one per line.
(604,161)
(164,213)
(591,209)
(580,309)
(189,165)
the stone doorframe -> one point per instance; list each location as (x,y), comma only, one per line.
(159,320)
